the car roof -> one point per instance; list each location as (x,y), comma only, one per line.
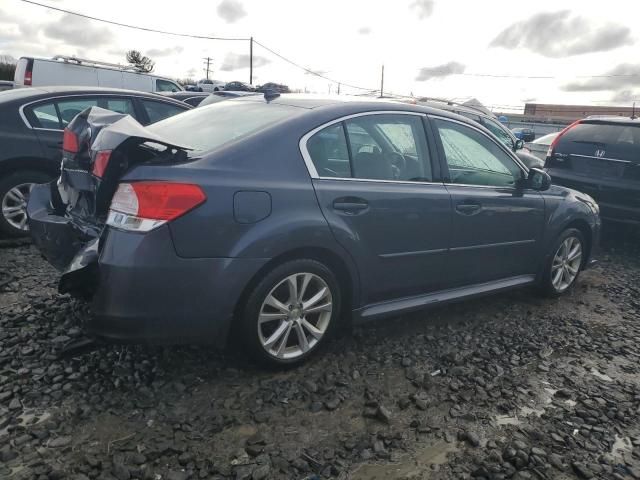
(37,93)
(341,103)
(613,120)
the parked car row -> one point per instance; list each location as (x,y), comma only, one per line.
(277,219)
(32,121)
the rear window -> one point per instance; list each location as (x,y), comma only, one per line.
(594,133)
(207,128)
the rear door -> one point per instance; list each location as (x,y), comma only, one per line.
(496,224)
(380,193)
(48,119)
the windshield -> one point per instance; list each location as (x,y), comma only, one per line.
(207,128)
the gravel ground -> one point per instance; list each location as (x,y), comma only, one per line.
(509,386)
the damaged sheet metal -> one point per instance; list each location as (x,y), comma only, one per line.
(67,217)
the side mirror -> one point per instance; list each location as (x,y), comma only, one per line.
(519,144)
(538,180)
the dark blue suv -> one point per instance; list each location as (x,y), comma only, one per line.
(279,217)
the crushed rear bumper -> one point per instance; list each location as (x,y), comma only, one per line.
(140,290)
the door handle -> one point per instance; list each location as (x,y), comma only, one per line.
(468,208)
(350,204)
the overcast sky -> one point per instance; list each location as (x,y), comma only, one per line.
(429,47)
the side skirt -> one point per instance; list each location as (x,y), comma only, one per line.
(410,304)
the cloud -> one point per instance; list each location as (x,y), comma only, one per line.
(364,30)
(164,52)
(624,75)
(231,10)
(625,96)
(558,34)
(77,31)
(424,8)
(236,61)
(440,71)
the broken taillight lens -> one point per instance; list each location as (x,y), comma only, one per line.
(143,206)
(70,142)
(101,162)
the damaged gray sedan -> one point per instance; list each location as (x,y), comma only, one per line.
(276,218)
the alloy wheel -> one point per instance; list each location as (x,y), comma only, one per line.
(566,263)
(14,206)
(295,316)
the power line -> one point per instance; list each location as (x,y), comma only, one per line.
(206,37)
(135,27)
(309,70)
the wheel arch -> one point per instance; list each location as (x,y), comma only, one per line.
(346,278)
(583,227)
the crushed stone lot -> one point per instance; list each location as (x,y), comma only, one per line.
(508,386)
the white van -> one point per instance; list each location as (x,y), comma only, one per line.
(72,71)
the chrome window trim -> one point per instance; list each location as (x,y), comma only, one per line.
(601,158)
(115,94)
(312,168)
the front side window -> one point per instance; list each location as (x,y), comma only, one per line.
(499,132)
(473,159)
(166,86)
(373,147)
(157,111)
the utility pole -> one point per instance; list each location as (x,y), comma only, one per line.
(251,61)
(382,83)
(208,60)
(338,88)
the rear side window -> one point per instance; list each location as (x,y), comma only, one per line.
(389,147)
(46,116)
(157,111)
(120,105)
(70,108)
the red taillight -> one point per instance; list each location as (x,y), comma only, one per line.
(557,139)
(28,78)
(100,163)
(142,206)
(70,141)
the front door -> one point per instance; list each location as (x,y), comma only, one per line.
(376,186)
(496,224)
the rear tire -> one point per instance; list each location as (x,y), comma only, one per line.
(14,195)
(564,263)
(290,313)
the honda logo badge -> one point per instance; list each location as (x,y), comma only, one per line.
(600,153)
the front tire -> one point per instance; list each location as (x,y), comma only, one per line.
(14,195)
(290,313)
(564,263)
